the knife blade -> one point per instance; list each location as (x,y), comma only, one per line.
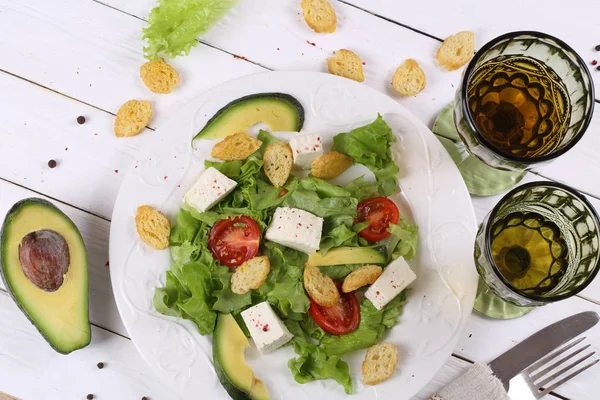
(514,361)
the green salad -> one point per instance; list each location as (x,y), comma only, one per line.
(198,287)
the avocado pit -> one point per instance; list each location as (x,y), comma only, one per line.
(44,257)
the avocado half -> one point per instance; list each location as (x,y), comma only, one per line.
(229,343)
(280,111)
(43,263)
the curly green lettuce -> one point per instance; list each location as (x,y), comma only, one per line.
(369,145)
(174,25)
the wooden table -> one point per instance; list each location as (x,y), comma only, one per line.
(63,58)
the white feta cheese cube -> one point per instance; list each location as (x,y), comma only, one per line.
(394,279)
(211,187)
(297,229)
(267,330)
(306,149)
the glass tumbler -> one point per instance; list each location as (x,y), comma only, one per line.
(548,76)
(540,244)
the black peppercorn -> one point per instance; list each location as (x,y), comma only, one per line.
(89,396)
(81,120)
(52,163)
(100,365)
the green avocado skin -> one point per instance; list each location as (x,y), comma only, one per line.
(16,209)
(245,105)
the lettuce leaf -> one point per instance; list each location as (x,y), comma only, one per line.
(313,363)
(319,352)
(373,323)
(370,146)
(174,25)
(403,240)
(284,287)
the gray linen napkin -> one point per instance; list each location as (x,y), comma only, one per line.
(478,383)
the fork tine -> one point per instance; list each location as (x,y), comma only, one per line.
(553,355)
(562,371)
(566,378)
(556,364)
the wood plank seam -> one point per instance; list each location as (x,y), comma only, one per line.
(392,21)
(57,92)
(55,199)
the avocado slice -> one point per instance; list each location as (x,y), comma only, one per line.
(280,111)
(349,255)
(43,263)
(235,375)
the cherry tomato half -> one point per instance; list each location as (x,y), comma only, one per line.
(340,319)
(233,241)
(380,212)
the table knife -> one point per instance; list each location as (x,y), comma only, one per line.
(514,361)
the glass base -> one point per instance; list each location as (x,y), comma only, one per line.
(480,178)
(490,305)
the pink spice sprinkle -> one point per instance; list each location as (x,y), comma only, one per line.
(166,177)
(594,62)
(116,171)
(265,328)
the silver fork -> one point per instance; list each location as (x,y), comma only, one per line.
(540,379)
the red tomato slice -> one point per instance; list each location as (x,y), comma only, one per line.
(340,319)
(380,212)
(233,241)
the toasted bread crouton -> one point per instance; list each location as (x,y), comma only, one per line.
(361,276)
(132,117)
(159,76)
(320,288)
(153,227)
(456,50)
(330,165)
(409,78)
(250,275)
(235,147)
(278,161)
(347,64)
(380,363)
(319,15)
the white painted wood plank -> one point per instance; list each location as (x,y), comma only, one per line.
(93,53)
(30,369)
(574,22)
(484,339)
(103,310)
(39,125)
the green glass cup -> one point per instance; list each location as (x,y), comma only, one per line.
(540,244)
(538,88)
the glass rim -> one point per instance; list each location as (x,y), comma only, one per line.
(488,234)
(469,117)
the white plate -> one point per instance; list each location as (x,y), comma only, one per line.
(433,195)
